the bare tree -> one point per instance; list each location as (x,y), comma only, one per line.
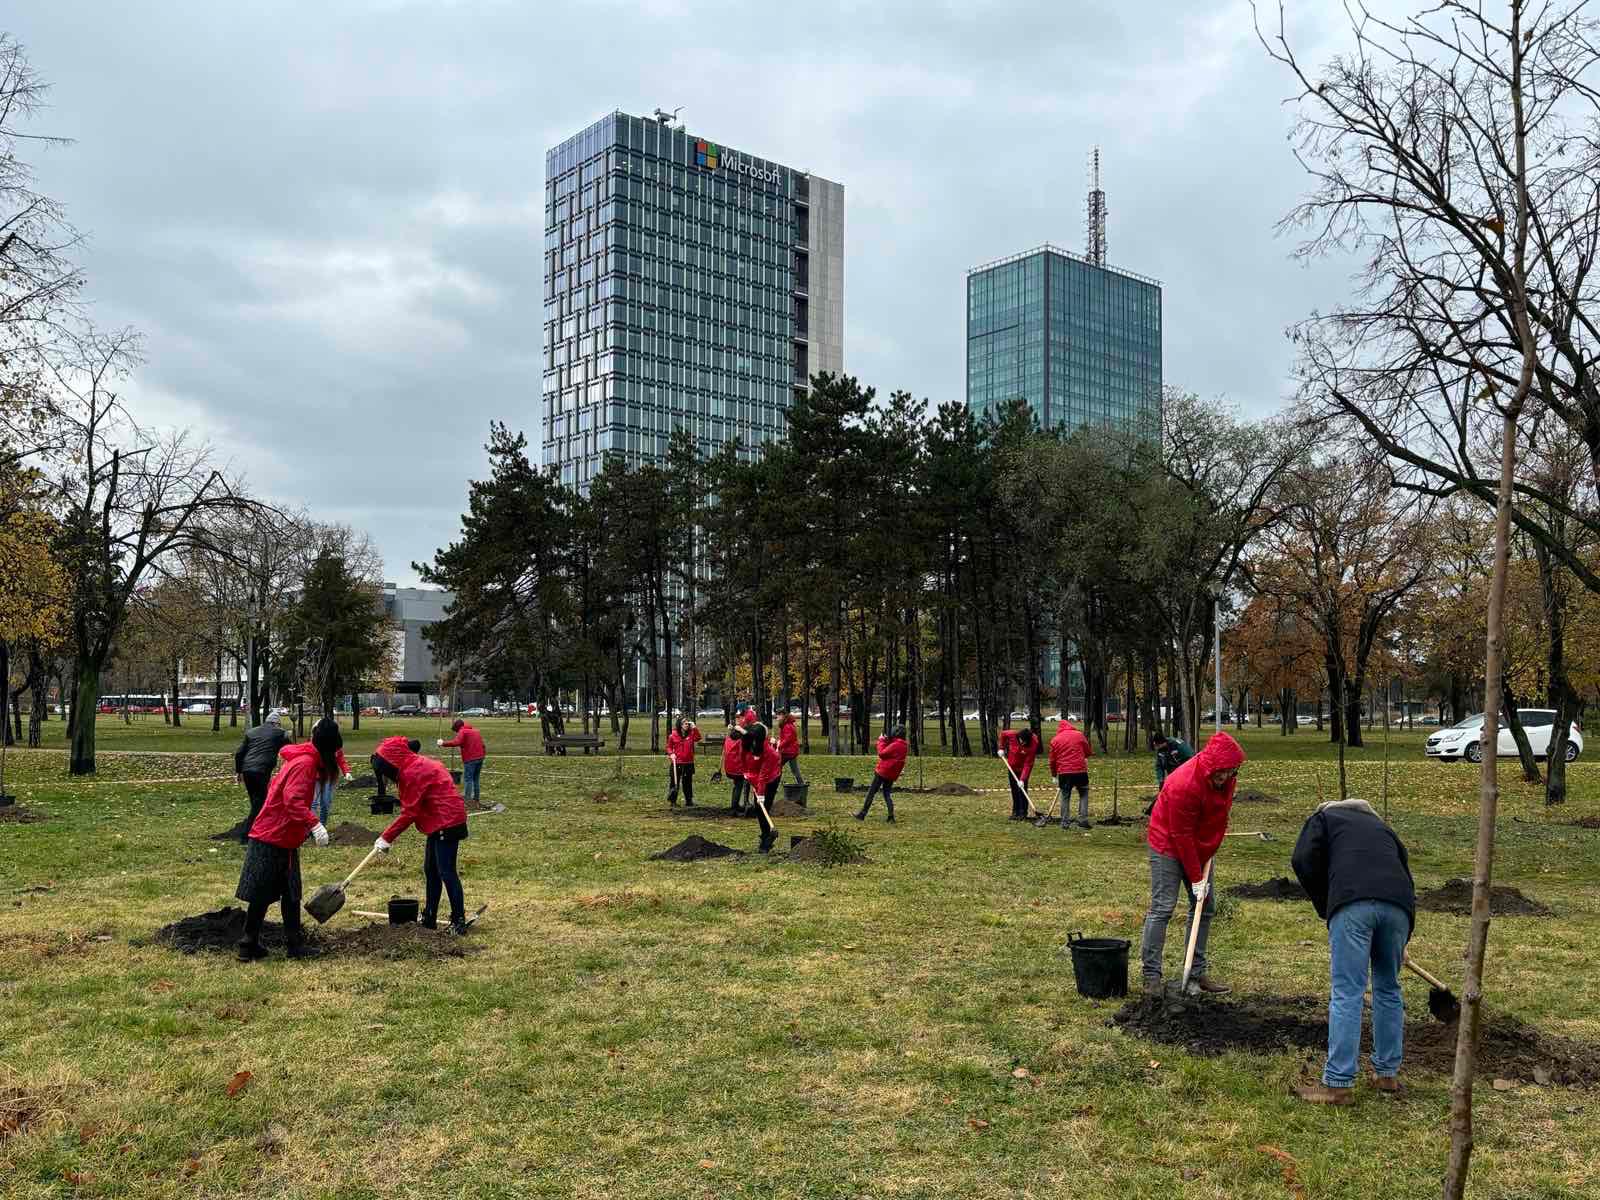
(1459,153)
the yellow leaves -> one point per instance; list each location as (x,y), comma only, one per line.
(34,588)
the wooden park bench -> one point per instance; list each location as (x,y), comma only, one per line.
(560,743)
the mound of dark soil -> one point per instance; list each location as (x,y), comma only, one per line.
(351,834)
(21,814)
(223,929)
(1586,823)
(1281,888)
(1456,897)
(1507,1048)
(1120,820)
(1251,796)
(234,834)
(361,781)
(694,848)
(788,808)
(941,789)
(605,797)
(809,850)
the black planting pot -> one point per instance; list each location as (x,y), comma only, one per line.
(403,910)
(383,804)
(842,784)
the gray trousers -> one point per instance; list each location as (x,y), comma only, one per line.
(1064,790)
(1166,876)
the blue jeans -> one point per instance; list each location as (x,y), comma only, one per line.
(1166,876)
(323,802)
(1363,934)
(469,778)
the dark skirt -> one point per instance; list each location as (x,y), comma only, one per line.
(269,873)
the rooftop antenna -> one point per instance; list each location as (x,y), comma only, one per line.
(1097,213)
(668,118)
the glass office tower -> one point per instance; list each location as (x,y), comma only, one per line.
(1081,343)
(688,286)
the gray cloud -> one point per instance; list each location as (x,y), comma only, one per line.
(327,218)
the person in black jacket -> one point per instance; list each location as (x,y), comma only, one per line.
(1356,871)
(254,761)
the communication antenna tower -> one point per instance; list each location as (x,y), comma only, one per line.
(667,118)
(1097,213)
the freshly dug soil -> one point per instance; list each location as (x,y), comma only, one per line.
(1251,796)
(1507,1048)
(222,930)
(1281,888)
(1586,823)
(694,848)
(605,797)
(1121,820)
(21,814)
(234,834)
(351,834)
(810,850)
(361,781)
(941,789)
(787,808)
(1456,897)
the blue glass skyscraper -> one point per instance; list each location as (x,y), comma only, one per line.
(1080,342)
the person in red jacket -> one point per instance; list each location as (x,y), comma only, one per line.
(1187,825)
(472,755)
(429,800)
(762,770)
(1019,747)
(271,871)
(680,749)
(733,766)
(892,751)
(1070,752)
(789,745)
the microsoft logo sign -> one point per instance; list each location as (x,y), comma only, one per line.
(706,154)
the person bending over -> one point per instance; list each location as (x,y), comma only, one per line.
(429,800)
(762,770)
(1019,747)
(892,751)
(733,766)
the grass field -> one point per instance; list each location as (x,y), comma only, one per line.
(739,1027)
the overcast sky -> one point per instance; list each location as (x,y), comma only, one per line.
(326,218)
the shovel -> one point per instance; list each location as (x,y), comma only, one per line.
(329,898)
(1255,833)
(1032,811)
(1194,933)
(1041,822)
(1442,1002)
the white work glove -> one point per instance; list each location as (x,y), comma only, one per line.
(349,778)
(1201,891)
(319,834)
(381,846)
(439,742)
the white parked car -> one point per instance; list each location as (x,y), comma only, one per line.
(1462,740)
(200,708)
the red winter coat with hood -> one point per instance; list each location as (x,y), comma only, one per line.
(761,770)
(1190,816)
(286,818)
(732,756)
(1019,757)
(428,796)
(891,757)
(1070,751)
(788,738)
(680,747)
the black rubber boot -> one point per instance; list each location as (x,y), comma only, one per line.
(300,949)
(889,804)
(428,920)
(458,926)
(767,839)
(862,815)
(251,951)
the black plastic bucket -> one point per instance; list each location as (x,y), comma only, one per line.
(1099,965)
(382,804)
(795,793)
(403,910)
(844,783)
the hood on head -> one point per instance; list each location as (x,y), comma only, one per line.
(272,719)
(1352,803)
(1221,753)
(455,726)
(398,752)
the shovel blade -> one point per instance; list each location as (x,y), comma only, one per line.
(325,901)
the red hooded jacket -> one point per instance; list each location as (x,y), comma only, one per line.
(891,757)
(1070,751)
(760,770)
(1019,757)
(680,748)
(788,738)
(1190,816)
(749,716)
(428,796)
(732,756)
(286,818)
(471,743)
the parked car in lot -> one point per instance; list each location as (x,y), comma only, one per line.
(1462,739)
(475,712)
(406,710)
(198,709)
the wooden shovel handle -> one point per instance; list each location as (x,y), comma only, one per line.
(1194,931)
(357,871)
(1022,787)
(1406,961)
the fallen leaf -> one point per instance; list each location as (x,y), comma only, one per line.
(1503,1085)
(1154,1064)
(978,1123)
(1020,1073)
(706,1164)
(1191,1173)
(162,985)
(87,1133)
(191,1165)
(238,1082)
(949,1099)
(78,1178)
(1289,1163)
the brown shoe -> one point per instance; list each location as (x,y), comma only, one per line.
(1389,1085)
(1321,1093)
(1213,986)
